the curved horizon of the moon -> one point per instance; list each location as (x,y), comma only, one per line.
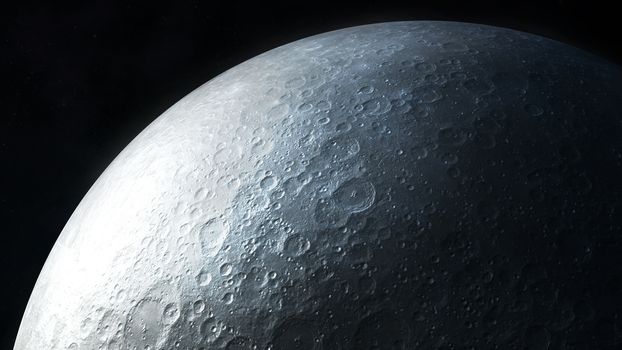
(389,186)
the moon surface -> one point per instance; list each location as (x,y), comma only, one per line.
(403,185)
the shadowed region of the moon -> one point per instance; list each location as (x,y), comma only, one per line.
(406,185)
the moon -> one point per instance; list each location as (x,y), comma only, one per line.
(402,185)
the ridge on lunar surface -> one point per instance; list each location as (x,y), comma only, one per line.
(403,185)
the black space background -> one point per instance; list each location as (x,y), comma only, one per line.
(79,81)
